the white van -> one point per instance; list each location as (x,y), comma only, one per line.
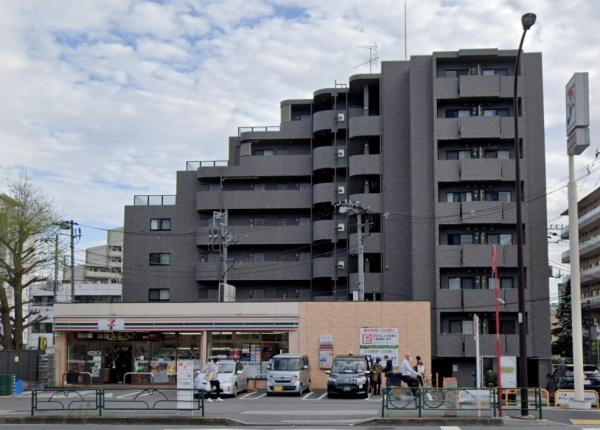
(288,373)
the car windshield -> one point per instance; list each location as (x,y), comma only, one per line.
(587,370)
(348,366)
(286,364)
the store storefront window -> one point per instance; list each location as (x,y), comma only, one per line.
(253,349)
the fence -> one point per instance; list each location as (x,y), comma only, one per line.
(117,400)
(23,364)
(452,401)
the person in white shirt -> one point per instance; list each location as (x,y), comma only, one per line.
(212,374)
(408,374)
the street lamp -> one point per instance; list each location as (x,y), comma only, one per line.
(527,20)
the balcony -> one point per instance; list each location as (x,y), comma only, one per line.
(476,169)
(260,166)
(154,200)
(588,247)
(476,255)
(477,127)
(325,267)
(372,201)
(372,282)
(324,193)
(264,235)
(588,221)
(477,300)
(257,199)
(256,271)
(475,86)
(324,230)
(364,126)
(325,157)
(323,120)
(372,243)
(451,345)
(369,164)
(590,275)
(476,213)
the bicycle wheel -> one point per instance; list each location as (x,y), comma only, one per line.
(400,398)
(433,398)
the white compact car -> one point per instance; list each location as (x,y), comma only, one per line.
(233,377)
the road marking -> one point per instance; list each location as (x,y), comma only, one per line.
(584,422)
(449,428)
(317,422)
(248,394)
(322,395)
(122,396)
(307,396)
(295,412)
(258,397)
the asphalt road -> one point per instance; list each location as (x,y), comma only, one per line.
(313,409)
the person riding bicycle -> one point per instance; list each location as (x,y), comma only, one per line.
(408,375)
(420,369)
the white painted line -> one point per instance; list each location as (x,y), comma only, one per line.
(322,395)
(259,397)
(248,394)
(307,396)
(449,428)
(122,396)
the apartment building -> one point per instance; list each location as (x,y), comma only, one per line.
(98,280)
(427,146)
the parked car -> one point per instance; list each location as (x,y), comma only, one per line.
(288,373)
(349,375)
(233,377)
(563,378)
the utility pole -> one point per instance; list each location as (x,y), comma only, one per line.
(72,263)
(55,287)
(355,208)
(68,225)
(219,233)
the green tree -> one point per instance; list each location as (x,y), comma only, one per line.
(563,344)
(27,224)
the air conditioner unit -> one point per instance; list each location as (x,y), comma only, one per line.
(341,189)
(341,264)
(341,153)
(341,116)
(341,227)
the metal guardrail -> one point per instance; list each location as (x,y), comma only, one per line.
(452,401)
(264,128)
(100,400)
(195,165)
(150,374)
(154,200)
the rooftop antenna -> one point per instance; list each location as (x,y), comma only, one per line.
(373,56)
(405,30)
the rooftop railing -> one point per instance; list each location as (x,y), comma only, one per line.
(154,200)
(263,128)
(195,165)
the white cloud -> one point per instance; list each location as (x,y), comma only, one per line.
(108,99)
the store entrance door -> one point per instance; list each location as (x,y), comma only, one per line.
(123,362)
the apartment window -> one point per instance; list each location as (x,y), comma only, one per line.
(503,154)
(41,328)
(498,196)
(460,239)
(496,71)
(499,238)
(458,113)
(160,259)
(282,293)
(159,295)
(43,300)
(460,327)
(495,112)
(456,197)
(257,221)
(503,281)
(160,224)
(453,73)
(461,283)
(458,155)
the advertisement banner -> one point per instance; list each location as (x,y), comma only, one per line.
(508,367)
(561,397)
(378,342)
(111,324)
(185,380)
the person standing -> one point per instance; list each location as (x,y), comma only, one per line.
(212,374)
(376,372)
(389,371)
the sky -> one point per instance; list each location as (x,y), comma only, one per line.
(102,100)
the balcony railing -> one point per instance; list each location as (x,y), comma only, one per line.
(263,128)
(195,165)
(154,200)
(582,219)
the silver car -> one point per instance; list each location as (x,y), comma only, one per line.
(288,373)
(233,377)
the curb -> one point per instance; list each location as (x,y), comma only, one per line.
(457,421)
(142,420)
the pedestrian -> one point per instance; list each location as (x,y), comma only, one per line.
(420,369)
(202,384)
(376,372)
(212,374)
(408,374)
(389,371)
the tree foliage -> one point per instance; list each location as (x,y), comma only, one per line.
(563,344)
(27,224)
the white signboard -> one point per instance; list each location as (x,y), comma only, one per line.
(577,102)
(111,324)
(325,340)
(185,382)
(378,342)
(508,369)
(561,397)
